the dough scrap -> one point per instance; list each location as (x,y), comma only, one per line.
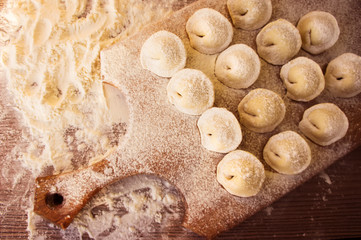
(303,79)
(241,173)
(238,66)
(343,75)
(319,31)
(163,53)
(220,130)
(249,14)
(287,152)
(261,110)
(324,123)
(191,91)
(278,42)
(209,31)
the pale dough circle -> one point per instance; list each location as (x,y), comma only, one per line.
(319,31)
(163,53)
(287,152)
(324,123)
(191,91)
(343,75)
(209,31)
(261,110)
(220,130)
(249,14)
(238,66)
(241,173)
(278,42)
(303,79)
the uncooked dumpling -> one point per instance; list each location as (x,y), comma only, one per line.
(241,173)
(324,123)
(319,31)
(191,91)
(278,42)
(343,75)
(287,153)
(220,130)
(303,79)
(250,14)
(261,110)
(163,53)
(209,31)
(238,66)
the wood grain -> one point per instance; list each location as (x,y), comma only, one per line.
(314,210)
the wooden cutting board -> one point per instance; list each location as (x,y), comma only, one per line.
(178,155)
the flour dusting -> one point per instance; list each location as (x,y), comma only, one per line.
(51,57)
(325,177)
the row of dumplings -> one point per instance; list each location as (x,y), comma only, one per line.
(238,66)
(261,110)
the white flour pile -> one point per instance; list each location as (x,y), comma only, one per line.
(50,53)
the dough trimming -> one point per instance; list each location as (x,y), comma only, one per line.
(324,123)
(241,173)
(287,152)
(238,66)
(319,31)
(303,79)
(278,42)
(220,130)
(249,14)
(191,91)
(343,75)
(163,53)
(209,31)
(261,110)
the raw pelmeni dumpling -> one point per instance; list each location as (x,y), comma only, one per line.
(319,31)
(238,66)
(287,152)
(163,53)
(249,14)
(324,123)
(303,79)
(191,91)
(261,110)
(209,31)
(241,173)
(220,130)
(343,75)
(278,42)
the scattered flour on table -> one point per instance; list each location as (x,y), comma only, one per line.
(268,210)
(134,206)
(325,177)
(133,209)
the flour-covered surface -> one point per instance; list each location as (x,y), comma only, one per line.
(206,209)
(138,207)
(50,55)
(172,151)
(56,113)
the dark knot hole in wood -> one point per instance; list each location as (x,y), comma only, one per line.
(54,200)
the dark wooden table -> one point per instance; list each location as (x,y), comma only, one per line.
(326,207)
